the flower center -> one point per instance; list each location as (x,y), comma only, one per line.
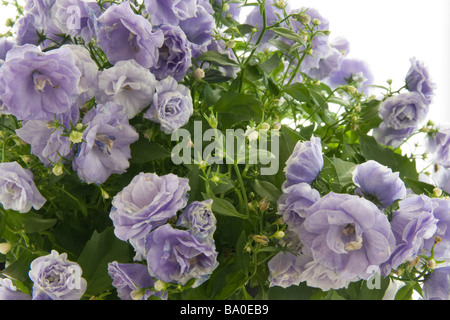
(104,143)
(352,241)
(40,82)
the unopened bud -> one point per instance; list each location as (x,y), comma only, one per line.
(159,285)
(226,7)
(215,179)
(317,22)
(276,126)
(265,126)
(58,169)
(437,240)
(437,192)
(279,235)
(304,18)
(76,136)
(231,44)
(137,294)
(79,126)
(5,247)
(261,239)
(431,264)
(199,74)
(351,89)
(264,205)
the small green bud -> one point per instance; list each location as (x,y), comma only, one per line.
(58,169)
(160,286)
(199,74)
(279,234)
(261,239)
(437,192)
(76,136)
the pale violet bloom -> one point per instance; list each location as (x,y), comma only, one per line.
(128,84)
(8,291)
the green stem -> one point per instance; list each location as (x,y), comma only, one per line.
(243,190)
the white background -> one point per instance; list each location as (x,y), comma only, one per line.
(386,34)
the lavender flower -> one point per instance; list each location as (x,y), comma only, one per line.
(8,291)
(56,278)
(36,85)
(170,12)
(285,269)
(132,281)
(175,255)
(374,179)
(106,149)
(412,223)
(124,35)
(26,30)
(418,79)
(388,136)
(199,219)
(146,203)
(438,145)
(174,55)
(172,105)
(294,201)
(437,285)
(305,163)
(441,209)
(50,144)
(128,84)
(347,234)
(17,189)
(5,46)
(352,71)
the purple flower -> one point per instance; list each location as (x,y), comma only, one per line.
(56,278)
(305,162)
(441,209)
(26,30)
(129,84)
(8,291)
(406,110)
(175,255)
(285,269)
(374,179)
(37,85)
(437,285)
(352,71)
(411,224)
(174,55)
(294,201)
(106,149)
(5,46)
(17,189)
(199,219)
(438,145)
(146,203)
(170,12)
(124,35)
(132,281)
(388,136)
(418,79)
(199,29)
(347,234)
(172,105)
(48,143)
(317,275)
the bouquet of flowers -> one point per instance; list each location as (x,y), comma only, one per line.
(195,149)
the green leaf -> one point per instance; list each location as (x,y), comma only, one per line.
(144,151)
(298,91)
(224,207)
(218,59)
(344,170)
(419,187)
(29,222)
(288,34)
(19,269)
(405,292)
(270,64)
(234,107)
(101,249)
(266,190)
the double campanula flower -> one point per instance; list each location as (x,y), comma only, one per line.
(200,28)
(347,234)
(402,115)
(375,180)
(147,202)
(48,140)
(5,46)
(305,162)
(199,219)
(56,278)
(124,35)
(412,224)
(36,85)
(106,146)
(170,12)
(132,281)
(285,269)
(441,210)
(128,84)
(438,145)
(175,255)
(17,189)
(174,55)
(293,203)
(8,291)
(437,285)
(352,72)
(418,80)
(26,30)
(172,105)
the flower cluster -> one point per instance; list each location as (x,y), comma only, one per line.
(95,94)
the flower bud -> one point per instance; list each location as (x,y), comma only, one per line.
(137,294)
(159,285)
(199,74)
(279,235)
(264,205)
(304,18)
(437,192)
(431,264)
(76,136)
(317,22)
(226,7)
(58,169)
(5,247)
(261,239)
(265,126)
(276,126)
